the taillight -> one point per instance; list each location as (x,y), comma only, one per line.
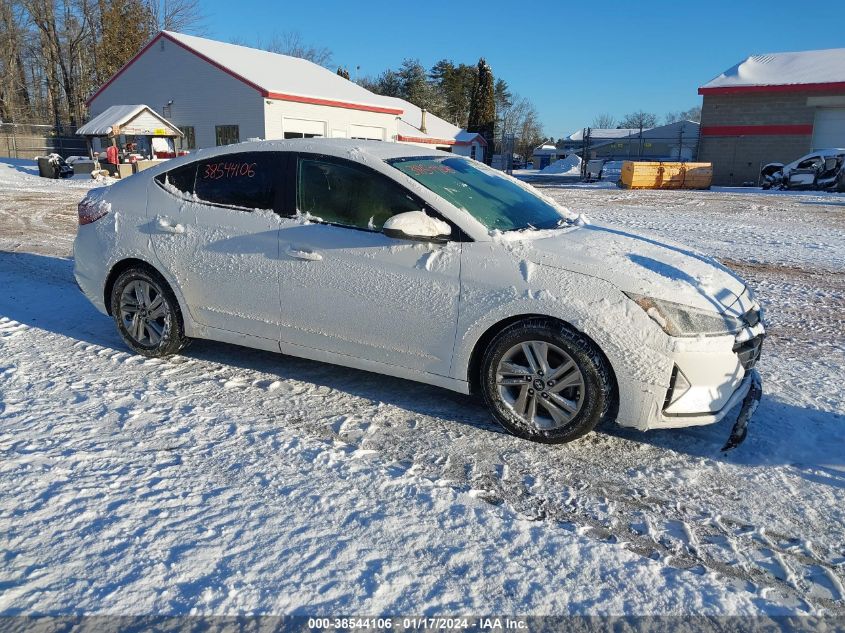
(92,209)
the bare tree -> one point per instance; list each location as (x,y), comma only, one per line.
(14,92)
(291,43)
(183,16)
(63,28)
(693,114)
(604,121)
(639,119)
(519,117)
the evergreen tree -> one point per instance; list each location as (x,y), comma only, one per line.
(414,84)
(482,110)
(389,84)
(126,26)
(454,87)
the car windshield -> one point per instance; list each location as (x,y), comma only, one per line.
(491,198)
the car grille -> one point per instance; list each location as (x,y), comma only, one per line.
(749,351)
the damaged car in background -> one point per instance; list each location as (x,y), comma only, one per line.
(822,170)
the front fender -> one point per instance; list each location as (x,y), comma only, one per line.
(494,290)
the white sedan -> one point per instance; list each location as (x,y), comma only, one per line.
(428,266)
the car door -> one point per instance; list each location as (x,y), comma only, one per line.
(805,173)
(215,232)
(349,289)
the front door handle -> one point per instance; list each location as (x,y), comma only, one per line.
(169,226)
(309,256)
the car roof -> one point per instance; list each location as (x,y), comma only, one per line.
(340,147)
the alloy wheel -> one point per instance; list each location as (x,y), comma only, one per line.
(541,384)
(144,312)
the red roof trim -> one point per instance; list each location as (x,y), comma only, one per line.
(837,86)
(756,130)
(439,141)
(331,102)
(261,91)
(429,140)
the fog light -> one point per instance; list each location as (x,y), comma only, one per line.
(678,386)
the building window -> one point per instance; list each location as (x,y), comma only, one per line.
(472,151)
(301,135)
(227,134)
(189,140)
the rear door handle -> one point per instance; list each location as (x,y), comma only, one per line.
(169,226)
(309,256)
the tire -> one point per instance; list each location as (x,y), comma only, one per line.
(147,314)
(575,383)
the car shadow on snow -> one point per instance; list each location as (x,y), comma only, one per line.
(811,440)
(39,291)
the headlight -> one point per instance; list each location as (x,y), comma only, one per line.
(680,320)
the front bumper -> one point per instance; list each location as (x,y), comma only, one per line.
(749,406)
(747,385)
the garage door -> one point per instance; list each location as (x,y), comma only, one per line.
(367,132)
(299,128)
(829,128)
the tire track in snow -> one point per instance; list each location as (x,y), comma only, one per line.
(469,457)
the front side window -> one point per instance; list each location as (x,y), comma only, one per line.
(490,197)
(344,194)
(246,181)
(227,134)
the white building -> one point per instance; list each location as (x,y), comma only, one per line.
(219,93)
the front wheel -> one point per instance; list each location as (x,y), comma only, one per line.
(545,382)
(147,314)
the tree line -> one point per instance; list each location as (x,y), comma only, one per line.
(466,95)
(55,53)
(634,120)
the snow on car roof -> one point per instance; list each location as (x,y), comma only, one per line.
(779,69)
(342,147)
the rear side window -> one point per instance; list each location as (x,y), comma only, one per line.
(248,181)
(181,178)
(344,194)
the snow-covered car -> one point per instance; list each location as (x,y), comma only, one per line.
(823,169)
(427,266)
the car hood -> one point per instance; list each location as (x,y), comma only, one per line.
(640,264)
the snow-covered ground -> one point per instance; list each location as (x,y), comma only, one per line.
(228,480)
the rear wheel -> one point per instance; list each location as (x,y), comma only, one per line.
(147,314)
(546,382)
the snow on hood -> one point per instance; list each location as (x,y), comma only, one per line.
(638,263)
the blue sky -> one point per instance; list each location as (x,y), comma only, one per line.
(571,60)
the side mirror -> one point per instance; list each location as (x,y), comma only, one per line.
(830,163)
(418,226)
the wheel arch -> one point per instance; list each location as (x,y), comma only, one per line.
(133,262)
(477,354)
(116,270)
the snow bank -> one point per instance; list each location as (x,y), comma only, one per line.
(571,165)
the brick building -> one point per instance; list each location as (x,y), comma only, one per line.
(769,108)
